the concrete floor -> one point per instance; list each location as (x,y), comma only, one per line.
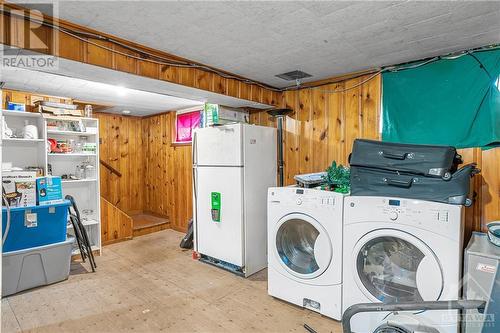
(148,285)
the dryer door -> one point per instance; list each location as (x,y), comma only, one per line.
(393,266)
(303,247)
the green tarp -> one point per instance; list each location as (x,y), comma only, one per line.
(452,102)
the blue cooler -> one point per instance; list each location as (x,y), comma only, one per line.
(35,226)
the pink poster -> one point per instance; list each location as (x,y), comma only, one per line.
(185,124)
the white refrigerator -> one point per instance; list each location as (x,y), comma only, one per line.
(233,166)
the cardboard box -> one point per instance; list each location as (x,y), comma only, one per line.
(49,190)
(20,188)
(214,114)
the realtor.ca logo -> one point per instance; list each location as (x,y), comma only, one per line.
(29,36)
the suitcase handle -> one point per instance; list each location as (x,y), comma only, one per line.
(394,156)
(399,183)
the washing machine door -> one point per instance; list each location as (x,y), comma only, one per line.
(394,266)
(303,246)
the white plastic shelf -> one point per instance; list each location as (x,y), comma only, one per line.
(78,181)
(21,140)
(85,223)
(71,118)
(21,114)
(70,133)
(70,154)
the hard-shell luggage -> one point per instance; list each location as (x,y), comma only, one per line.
(431,161)
(377,182)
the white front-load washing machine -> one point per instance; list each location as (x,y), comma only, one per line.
(305,248)
(401,250)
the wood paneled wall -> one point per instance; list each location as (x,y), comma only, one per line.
(122,145)
(168,172)
(156,173)
(324,125)
(104,53)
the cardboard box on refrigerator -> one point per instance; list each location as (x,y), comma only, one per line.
(20,188)
(214,114)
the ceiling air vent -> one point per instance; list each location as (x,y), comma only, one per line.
(293,75)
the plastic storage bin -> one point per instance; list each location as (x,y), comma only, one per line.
(35,226)
(38,266)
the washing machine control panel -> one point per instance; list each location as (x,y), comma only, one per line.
(320,199)
(306,198)
(315,201)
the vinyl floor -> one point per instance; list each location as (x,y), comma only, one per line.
(149,284)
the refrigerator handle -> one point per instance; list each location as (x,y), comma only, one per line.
(195,186)
(195,207)
(194,148)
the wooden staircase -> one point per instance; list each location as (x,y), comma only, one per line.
(116,225)
(147,223)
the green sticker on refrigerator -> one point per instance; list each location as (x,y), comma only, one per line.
(216,206)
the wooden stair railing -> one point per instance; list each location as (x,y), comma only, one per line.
(110,168)
(116,225)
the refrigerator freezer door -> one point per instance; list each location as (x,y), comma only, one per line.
(219,213)
(218,146)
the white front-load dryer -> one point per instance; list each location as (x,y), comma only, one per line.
(401,250)
(305,248)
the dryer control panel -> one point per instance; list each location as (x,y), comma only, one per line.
(396,209)
(442,218)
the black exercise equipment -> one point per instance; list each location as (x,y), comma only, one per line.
(187,240)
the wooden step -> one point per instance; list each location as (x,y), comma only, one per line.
(145,223)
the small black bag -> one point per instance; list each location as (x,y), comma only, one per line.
(187,240)
(376,182)
(431,161)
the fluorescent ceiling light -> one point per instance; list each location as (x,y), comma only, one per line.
(121,91)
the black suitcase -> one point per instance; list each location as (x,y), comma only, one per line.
(377,182)
(431,161)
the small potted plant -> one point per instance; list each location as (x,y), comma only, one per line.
(337,178)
